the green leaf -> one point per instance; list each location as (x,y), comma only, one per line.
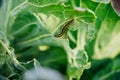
(107,42)
(28,24)
(109,72)
(50,21)
(86,4)
(43,22)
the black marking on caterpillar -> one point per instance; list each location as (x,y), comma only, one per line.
(65,28)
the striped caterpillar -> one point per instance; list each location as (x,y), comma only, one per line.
(64,28)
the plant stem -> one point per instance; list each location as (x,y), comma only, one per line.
(81,38)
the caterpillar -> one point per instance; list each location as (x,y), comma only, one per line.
(65,28)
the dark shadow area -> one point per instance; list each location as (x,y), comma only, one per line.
(0,3)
